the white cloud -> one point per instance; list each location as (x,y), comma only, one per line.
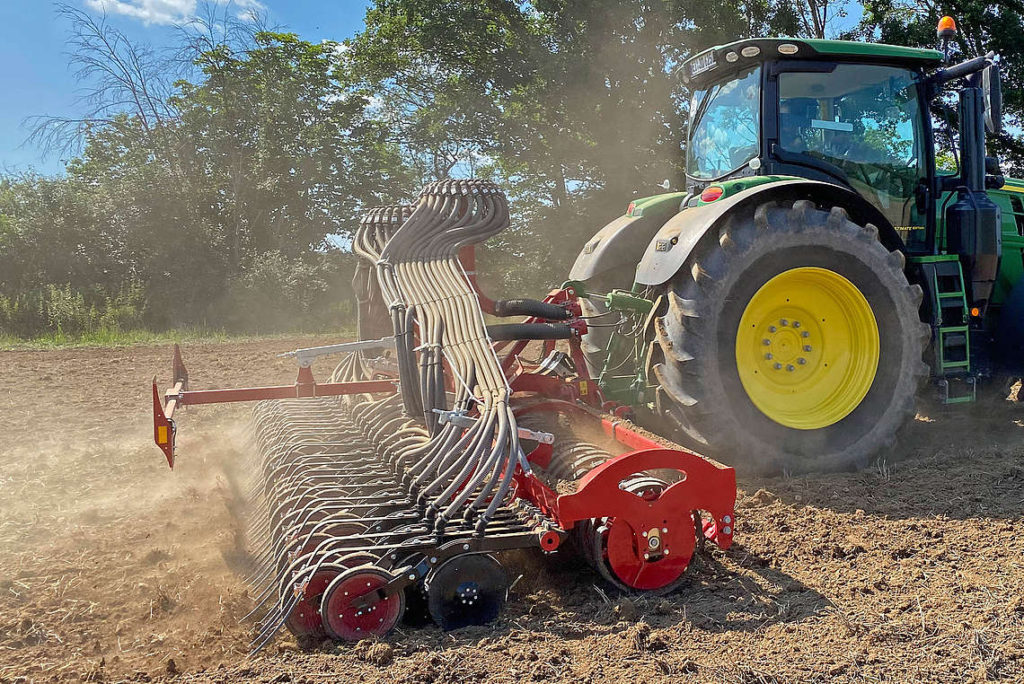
(162,11)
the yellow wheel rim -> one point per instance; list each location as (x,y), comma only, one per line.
(807,348)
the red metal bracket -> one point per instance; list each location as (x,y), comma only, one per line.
(306,386)
(163,426)
(706,485)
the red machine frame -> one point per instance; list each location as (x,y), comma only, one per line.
(703,484)
(306,386)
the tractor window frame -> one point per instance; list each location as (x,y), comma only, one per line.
(778,161)
(757,71)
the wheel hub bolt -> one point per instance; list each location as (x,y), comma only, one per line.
(768,356)
(766,342)
(807,347)
(778,366)
(790,367)
(801,361)
(783,322)
(805,334)
(772,328)
(796,324)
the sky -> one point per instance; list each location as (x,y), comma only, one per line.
(35,78)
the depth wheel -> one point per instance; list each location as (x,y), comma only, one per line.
(791,342)
(304,619)
(640,560)
(650,561)
(343,620)
(466,590)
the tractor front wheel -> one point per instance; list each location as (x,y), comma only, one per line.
(791,342)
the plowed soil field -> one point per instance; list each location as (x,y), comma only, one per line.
(114,568)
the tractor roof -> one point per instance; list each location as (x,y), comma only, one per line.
(710,64)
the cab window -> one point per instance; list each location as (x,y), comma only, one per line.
(864,120)
(725,125)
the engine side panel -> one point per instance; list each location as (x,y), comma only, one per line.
(1010,199)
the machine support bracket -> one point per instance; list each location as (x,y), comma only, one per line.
(305,387)
(462,420)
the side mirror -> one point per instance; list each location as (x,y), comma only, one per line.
(992,88)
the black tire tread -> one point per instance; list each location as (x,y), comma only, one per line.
(685,350)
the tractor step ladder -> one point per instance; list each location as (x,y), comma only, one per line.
(944,280)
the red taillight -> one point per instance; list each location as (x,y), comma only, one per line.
(630,208)
(711,193)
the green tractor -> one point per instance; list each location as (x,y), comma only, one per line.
(789,305)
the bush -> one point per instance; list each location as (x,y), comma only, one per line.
(23,315)
(61,311)
(280,293)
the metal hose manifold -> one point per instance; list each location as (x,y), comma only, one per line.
(468,474)
(352,487)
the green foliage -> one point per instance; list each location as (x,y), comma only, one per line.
(984,26)
(279,292)
(573,107)
(70,313)
(217,216)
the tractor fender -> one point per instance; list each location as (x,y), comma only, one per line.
(666,253)
(619,245)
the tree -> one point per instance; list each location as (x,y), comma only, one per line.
(121,81)
(204,192)
(983,27)
(573,106)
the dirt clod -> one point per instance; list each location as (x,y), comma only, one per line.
(625,609)
(639,636)
(376,652)
(762,497)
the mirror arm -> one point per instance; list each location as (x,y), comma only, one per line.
(963,69)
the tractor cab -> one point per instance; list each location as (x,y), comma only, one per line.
(851,114)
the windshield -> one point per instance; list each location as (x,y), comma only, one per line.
(864,119)
(725,120)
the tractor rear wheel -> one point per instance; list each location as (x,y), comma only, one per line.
(792,342)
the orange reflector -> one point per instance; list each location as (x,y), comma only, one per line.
(947,27)
(711,193)
(975,311)
(161,434)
